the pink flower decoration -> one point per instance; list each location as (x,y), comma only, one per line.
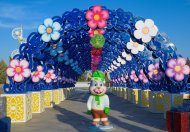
(119,79)
(154,71)
(133,76)
(177,69)
(18,70)
(49,76)
(97,17)
(126,77)
(123,78)
(93,32)
(142,77)
(38,74)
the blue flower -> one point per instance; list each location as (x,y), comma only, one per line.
(55,49)
(49,30)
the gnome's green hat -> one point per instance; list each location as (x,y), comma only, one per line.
(98,75)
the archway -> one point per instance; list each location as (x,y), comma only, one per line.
(135,54)
(69,55)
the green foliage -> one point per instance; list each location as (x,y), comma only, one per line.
(82,78)
(188,61)
(3,67)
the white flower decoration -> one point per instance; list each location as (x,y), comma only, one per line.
(134,47)
(128,57)
(145,30)
(50,30)
(123,62)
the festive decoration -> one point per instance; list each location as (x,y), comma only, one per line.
(56,49)
(18,107)
(142,77)
(133,76)
(145,30)
(49,76)
(135,47)
(128,57)
(18,70)
(97,17)
(98,102)
(50,30)
(154,71)
(62,43)
(94,32)
(98,41)
(38,74)
(177,69)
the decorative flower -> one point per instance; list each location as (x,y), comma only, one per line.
(49,30)
(126,76)
(118,79)
(145,30)
(49,76)
(134,47)
(94,32)
(98,41)
(128,57)
(143,77)
(154,71)
(38,74)
(177,69)
(97,17)
(60,57)
(133,76)
(55,49)
(18,70)
(123,78)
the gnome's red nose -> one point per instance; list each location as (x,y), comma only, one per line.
(98,87)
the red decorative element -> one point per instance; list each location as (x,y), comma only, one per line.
(93,32)
(97,17)
(95,58)
(96,52)
(177,121)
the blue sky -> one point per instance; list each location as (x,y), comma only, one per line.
(171,17)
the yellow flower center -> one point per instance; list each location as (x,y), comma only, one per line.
(18,69)
(177,68)
(96,32)
(155,71)
(145,30)
(49,30)
(54,46)
(135,45)
(36,73)
(96,17)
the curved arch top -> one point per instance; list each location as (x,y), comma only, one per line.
(135,54)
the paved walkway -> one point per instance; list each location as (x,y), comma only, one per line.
(69,116)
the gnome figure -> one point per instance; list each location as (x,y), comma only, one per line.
(98,102)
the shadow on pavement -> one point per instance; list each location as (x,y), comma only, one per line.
(78,122)
(134,113)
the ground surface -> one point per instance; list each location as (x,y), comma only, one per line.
(70,116)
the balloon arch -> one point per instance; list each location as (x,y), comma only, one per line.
(128,48)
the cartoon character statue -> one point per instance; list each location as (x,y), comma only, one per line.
(98,102)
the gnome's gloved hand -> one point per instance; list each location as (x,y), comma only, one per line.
(107,110)
(89,112)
